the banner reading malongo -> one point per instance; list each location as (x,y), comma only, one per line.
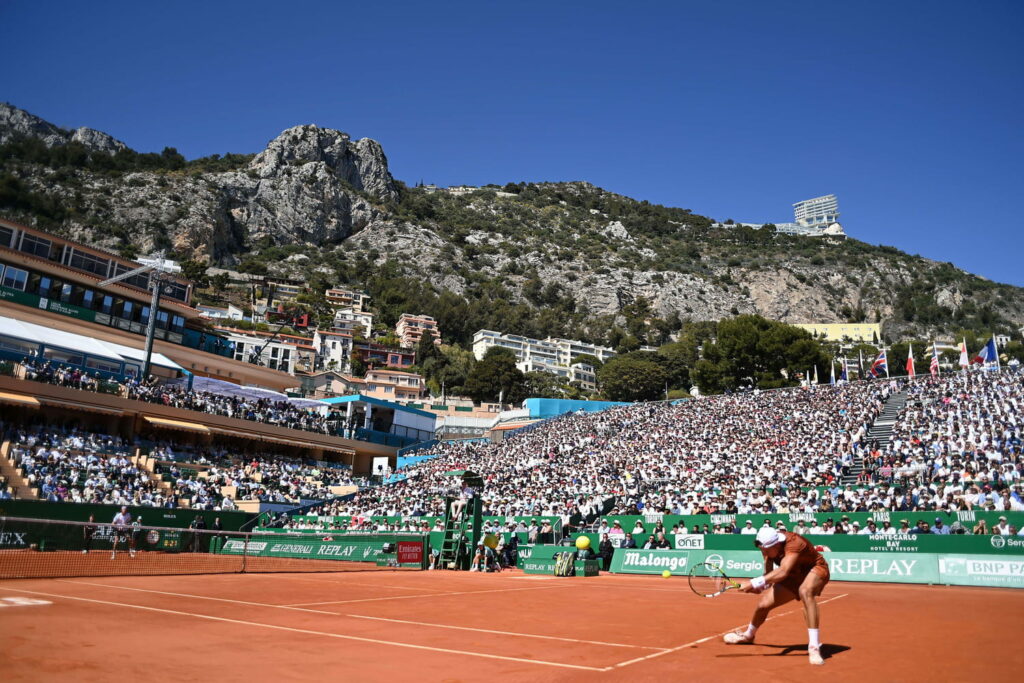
(926,568)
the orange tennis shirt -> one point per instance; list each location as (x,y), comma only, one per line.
(807,557)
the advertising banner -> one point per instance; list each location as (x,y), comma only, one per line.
(981,570)
(689,542)
(410,552)
(340,548)
(887,568)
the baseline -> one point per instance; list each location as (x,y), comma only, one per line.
(315,633)
(197,597)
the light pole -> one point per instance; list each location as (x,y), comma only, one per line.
(158,267)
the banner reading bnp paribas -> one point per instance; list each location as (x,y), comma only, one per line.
(926,568)
(981,570)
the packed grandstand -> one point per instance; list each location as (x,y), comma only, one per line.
(956,444)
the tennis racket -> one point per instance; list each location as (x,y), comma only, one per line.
(708,580)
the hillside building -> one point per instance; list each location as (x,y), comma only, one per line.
(552,355)
(353,321)
(335,349)
(280,289)
(339,297)
(393,385)
(411,328)
(375,355)
(55,282)
(856,332)
(817,213)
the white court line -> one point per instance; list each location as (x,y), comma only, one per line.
(314,633)
(704,640)
(198,597)
(425,595)
(347,583)
(505,633)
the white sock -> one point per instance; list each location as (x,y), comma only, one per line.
(812,637)
(751,630)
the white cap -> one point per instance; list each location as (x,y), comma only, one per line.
(767,537)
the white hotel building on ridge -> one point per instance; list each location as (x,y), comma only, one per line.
(551,355)
(816,217)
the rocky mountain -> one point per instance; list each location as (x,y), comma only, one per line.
(15,123)
(532,258)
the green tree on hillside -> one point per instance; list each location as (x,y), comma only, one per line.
(632,379)
(496,376)
(752,351)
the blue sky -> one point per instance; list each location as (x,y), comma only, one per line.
(911,112)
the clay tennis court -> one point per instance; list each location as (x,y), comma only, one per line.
(403,626)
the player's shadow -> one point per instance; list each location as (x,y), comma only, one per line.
(828,650)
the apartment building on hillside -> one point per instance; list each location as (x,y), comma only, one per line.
(411,328)
(339,297)
(393,385)
(551,351)
(357,322)
(335,349)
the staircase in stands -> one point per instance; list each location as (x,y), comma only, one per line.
(9,471)
(880,431)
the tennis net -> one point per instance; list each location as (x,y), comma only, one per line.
(36,548)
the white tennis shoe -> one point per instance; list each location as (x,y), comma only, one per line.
(814,655)
(737,638)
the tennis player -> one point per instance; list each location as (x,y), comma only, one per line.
(799,571)
(121,522)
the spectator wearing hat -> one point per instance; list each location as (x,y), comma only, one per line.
(904,527)
(940,528)
(1001,528)
(748,528)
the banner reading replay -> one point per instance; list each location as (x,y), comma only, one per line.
(951,569)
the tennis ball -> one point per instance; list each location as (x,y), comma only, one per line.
(582,542)
(666,573)
(491,541)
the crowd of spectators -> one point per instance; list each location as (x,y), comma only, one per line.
(83,467)
(755,452)
(264,477)
(281,413)
(957,445)
(43,370)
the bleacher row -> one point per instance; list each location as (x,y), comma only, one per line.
(86,467)
(957,446)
